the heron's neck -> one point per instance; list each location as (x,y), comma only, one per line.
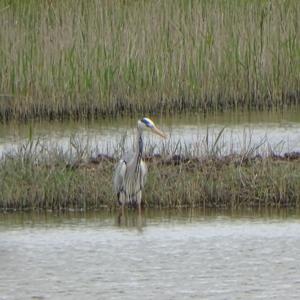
(140,144)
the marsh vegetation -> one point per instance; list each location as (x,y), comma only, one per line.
(94,59)
(35,177)
(85,59)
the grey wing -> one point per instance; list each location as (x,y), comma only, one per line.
(119,176)
(120,172)
(144,172)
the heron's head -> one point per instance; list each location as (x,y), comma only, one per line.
(147,123)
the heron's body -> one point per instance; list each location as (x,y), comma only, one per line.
(130,176)
(131,170)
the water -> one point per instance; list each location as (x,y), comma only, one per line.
(274,130)
(162,255)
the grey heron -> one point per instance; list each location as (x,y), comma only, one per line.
(130,172)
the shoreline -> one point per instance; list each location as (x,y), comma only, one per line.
(229,182)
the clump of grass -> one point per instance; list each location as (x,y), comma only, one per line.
(83,59)
(38,178)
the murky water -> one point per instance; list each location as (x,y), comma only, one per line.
(277,131)
(162,255)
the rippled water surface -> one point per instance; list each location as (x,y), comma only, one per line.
(160,255)
(276,130)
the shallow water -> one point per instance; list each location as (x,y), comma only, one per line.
(161,255)
(279,131)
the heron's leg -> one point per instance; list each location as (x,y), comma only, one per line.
(122,200)
(121,211)
(139,201)
(123,207)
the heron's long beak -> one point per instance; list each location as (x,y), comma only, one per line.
(159,132)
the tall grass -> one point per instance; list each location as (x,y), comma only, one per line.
(89,58)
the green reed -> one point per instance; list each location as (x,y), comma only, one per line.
(83,59)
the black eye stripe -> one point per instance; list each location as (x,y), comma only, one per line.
(147,122)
